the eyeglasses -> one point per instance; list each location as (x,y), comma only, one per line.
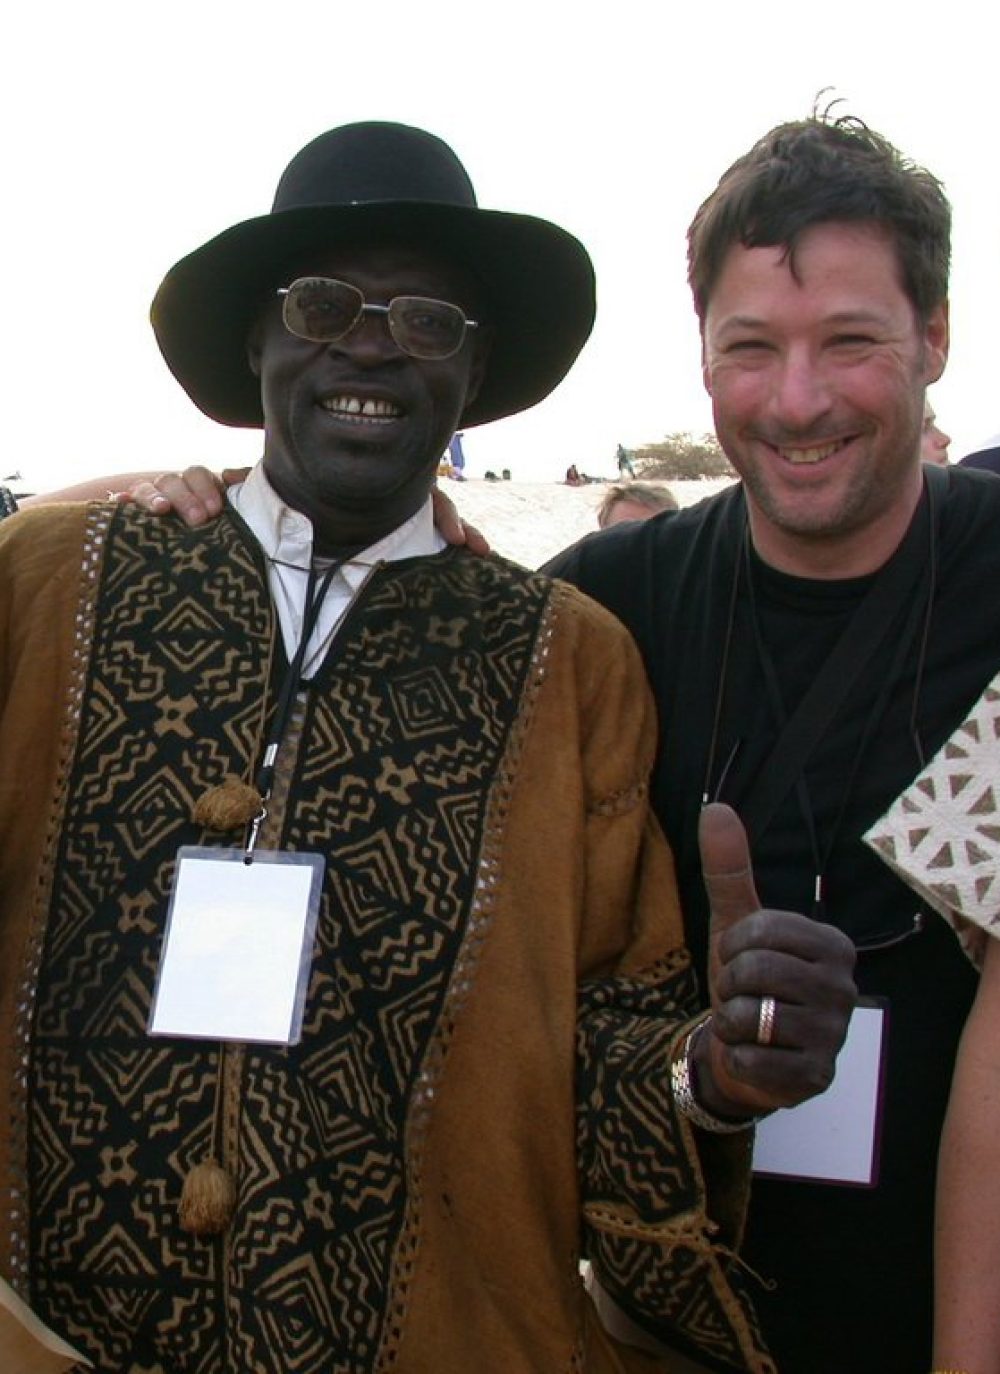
(324,310)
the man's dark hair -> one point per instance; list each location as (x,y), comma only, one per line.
(818,170)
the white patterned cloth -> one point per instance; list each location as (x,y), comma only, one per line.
(942,835)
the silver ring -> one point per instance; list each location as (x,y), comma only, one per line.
(765,1021)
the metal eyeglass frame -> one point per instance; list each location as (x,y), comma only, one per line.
(366,308)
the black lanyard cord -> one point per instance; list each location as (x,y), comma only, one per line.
(293,677)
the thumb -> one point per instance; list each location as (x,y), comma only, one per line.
(727,871)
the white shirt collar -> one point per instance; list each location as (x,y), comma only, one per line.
(286,535)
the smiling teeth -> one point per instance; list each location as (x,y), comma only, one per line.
(808,455)
(368,409)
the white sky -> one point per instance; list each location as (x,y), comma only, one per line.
(134,132)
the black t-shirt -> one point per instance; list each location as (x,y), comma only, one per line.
(851,1267)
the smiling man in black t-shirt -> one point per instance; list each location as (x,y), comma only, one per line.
(829,588)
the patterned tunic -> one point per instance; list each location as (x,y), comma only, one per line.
(480,1092)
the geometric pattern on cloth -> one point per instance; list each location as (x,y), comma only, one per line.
(634,1145)
(942,835)
(403,735)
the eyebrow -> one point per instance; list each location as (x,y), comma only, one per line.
(840,317)
(855,317)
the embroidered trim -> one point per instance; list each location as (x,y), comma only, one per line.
(688,1230)
(714,1260)
(619,803)
(481,915)
(98,521)
(232,1057)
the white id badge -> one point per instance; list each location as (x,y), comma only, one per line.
(833,1138)
(238,946)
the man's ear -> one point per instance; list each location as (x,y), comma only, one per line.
(936,341)
(706,371)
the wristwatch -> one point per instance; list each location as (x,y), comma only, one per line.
(682,1081)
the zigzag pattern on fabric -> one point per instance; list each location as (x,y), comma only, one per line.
(401,737)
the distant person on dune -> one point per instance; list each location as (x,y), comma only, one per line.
(456,456)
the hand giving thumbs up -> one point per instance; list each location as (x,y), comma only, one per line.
(781,987)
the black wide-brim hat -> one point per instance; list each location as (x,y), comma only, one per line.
(378,182)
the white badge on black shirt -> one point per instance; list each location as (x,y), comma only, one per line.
(833,1138)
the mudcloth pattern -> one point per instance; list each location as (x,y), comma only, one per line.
(402,735)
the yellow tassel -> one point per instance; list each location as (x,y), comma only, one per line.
(228,805)
(208,1199)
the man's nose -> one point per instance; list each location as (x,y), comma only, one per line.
(369,339)
(801,391)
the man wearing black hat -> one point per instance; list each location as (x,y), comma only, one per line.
(344,992)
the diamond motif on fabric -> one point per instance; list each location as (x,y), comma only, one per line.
(391,775)
(952,857)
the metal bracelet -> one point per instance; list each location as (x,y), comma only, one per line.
(682,1083)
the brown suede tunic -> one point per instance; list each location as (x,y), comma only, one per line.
(481,1093)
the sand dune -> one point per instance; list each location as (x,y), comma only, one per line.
(531,521)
